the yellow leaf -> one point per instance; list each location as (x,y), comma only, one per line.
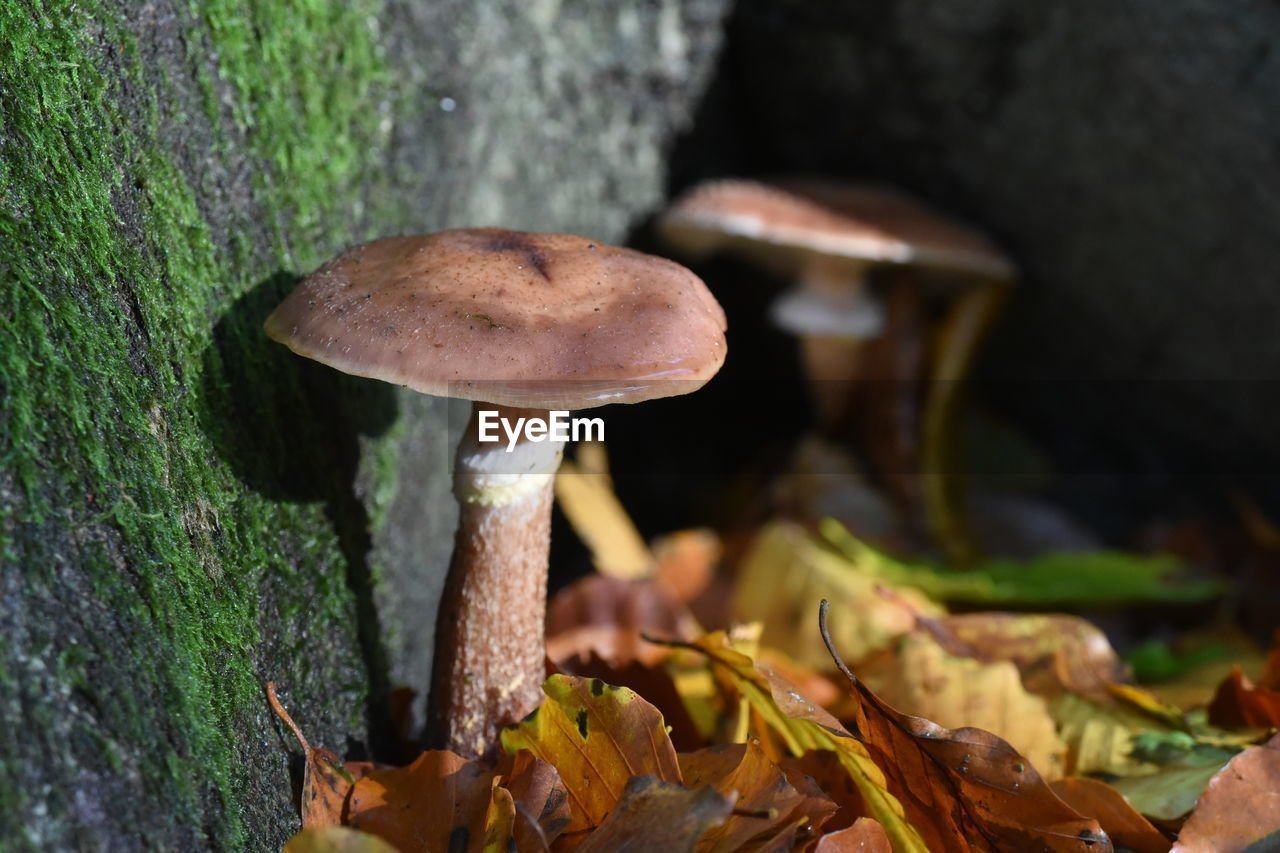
(785,575)
(597,736)
(923,680)
(804,726)
(586,495)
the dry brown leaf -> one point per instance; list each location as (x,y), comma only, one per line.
(865,836)
(1053,652)
(921,679)
(540,800)
(1239,702)
(1240,807)
(597,736)
(769,809)
(1119,819)
(636,605)
(326,781)
(966,789)
(439,802)
(653,815)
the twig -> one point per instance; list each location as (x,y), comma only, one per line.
(831,647)
(285,718)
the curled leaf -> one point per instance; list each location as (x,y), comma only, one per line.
(965,789)
(326,781)
(769,809)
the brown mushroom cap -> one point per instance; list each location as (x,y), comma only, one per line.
(799,217)
(508,317)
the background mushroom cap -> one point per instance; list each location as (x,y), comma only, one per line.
(782,223)
(551,321)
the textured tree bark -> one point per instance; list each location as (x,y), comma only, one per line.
(186,510)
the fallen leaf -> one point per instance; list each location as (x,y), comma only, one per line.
(1240,807)
(784,576)
(965,789)
(326,781)
(768,811)
(441,801)
(585,494)
(1100,736)
(1119,819)
(1169,793)
(804,726)
(865,836)
(921,679)
(1238,702)
(336,839)
(597,736)
(1053,652)
(1061,579)
(609,660)
(540,800)
(653,815)
(636,605)
(686,562)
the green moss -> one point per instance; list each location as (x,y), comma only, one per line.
(110,376)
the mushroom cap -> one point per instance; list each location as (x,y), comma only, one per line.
(786,222)
(549,321)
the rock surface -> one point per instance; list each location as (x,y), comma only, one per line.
(187,510)
(1126,155)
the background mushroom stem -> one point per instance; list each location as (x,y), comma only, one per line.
(489,659)
(833,313)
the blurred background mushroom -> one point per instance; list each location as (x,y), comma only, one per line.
(872,267)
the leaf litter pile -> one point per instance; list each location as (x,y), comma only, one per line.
(878,722)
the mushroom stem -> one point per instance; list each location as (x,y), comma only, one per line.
(832,312)
(489,659)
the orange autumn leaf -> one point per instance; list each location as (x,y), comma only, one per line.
(1119,819)
(653,815)
(1240,807)
(598,737)
(865,836)
(440,802)
(769,810)
(965,790)
(326,781)
(1238,702)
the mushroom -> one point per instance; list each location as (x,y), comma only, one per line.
(525,323)
(829,236)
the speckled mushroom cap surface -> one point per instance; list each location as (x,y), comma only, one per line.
(551,321)
(805,217)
